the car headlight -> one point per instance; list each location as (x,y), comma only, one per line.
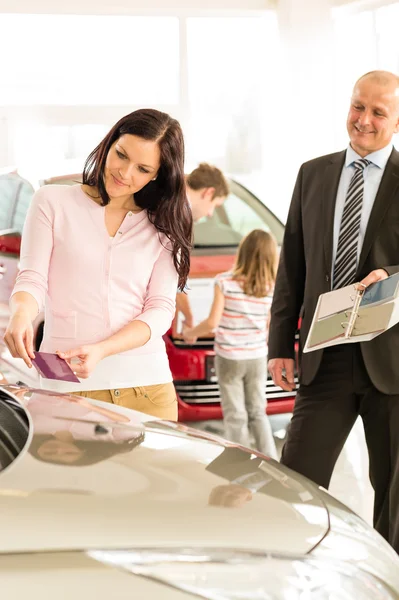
(352,539)
(240,575)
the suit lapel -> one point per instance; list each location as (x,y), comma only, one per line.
(385,195)
(332,175)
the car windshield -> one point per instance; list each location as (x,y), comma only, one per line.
(239,214)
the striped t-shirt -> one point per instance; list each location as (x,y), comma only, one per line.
(242,331)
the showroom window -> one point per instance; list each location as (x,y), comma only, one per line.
(89,60)
(228,58)
(353,33)
(386,22)
(60,98)
(62,88)
(372,36)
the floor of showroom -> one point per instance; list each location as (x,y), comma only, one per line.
(350,482)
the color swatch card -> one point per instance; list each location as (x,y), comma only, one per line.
(51,366)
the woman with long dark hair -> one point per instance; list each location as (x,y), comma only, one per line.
(105,259)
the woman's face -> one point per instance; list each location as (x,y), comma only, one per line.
(132,162)
(60,452)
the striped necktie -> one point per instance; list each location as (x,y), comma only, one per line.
(346,259)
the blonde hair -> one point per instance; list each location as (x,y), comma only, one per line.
(256,263)
(208,176)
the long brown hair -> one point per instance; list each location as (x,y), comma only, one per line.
(256,263)
(165,198)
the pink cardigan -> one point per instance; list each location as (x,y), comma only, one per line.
(92,285)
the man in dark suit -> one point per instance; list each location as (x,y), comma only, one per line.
(342,228)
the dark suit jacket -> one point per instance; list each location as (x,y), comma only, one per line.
(306,264)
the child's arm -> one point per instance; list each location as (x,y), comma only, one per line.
(183,306)
(207,326)
(268,319)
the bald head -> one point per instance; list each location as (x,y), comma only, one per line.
(381,79)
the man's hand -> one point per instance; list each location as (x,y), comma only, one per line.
(373,277)
(230,495)
(282,372)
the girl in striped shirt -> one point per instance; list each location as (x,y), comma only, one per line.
(239,317)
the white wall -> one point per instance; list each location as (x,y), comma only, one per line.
(132,7)
(362,4)
(158,6)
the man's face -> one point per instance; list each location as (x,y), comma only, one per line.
(373,115)
(203,202)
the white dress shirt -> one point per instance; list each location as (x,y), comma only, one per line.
(372,178)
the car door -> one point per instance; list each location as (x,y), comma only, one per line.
(15,196)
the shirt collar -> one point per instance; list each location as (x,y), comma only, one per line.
(378,158)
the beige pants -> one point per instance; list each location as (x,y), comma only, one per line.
(156,400)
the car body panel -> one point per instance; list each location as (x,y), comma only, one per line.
(168,479)
(10,242)
(15,196)
(60,522)
(74,575)
(15,193)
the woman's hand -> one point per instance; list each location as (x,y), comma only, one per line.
(87,359)
(19,336)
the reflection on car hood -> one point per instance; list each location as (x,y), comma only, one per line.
(147,483)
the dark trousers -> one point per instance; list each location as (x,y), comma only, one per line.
(325,412)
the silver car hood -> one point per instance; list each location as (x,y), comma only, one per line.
(172,486)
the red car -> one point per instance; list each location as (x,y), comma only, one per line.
(216,240)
